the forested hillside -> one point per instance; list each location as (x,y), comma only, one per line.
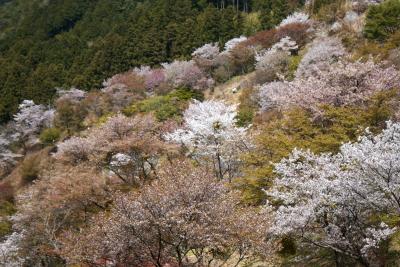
(63,43)
(200,133)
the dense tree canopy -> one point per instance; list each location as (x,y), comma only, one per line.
(48,44)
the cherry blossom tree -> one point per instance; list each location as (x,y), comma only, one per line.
(343,83)
(75,149)
(286,44)
(8,159)
(186,217)
(296,17)
(322,52)
(128,148)
(62,197)
(154,78)
(126,87)
(207,57)
(210,131)
(142,71)
(208,51)
(231,44)
(30,119)
(328,200)
(73,94)
(182,73)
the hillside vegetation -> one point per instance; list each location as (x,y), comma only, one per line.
(61,43)
(200,133)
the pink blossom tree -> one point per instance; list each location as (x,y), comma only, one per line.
(343,83)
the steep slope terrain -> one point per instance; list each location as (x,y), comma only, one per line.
(271,141)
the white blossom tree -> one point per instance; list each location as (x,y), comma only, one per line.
(296,17)
(73,94)
(329,200)
(186,217)
(208,51)
(8,159)
(231,44)
(30,119)
(210,131)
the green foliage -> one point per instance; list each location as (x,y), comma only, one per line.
(50,135)
(245,116)
(317,5)
(297,128)
(382,20)
(272,11)
(293,65)
(82,42)
(164,107)
(6,209)
(288,246)
(329,10)
(252,23)
(378,50)
(246,109)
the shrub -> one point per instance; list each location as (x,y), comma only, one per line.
(242,59)
(293,65)
(223,73)
(318,4)
(247,108)
(70,115)
(6,209)
(245,116)
(30,169)
(6,192)
(330,11)
(382,20)
(164,107)
(50,135)
(263,39)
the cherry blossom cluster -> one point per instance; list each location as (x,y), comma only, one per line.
(185,217)
(30,119)
(127,148)
(208,51)
(210,131)
(231,44)
(322,52)
(328,200)
(342,83)
(276,56)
